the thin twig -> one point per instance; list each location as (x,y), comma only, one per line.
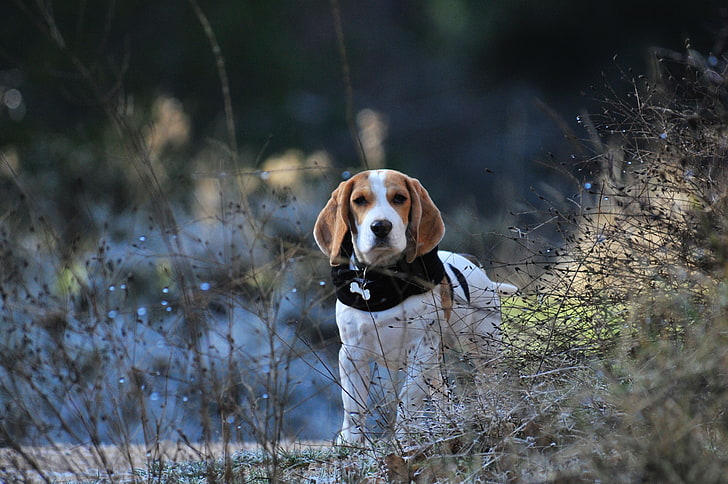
(346,76)
(222,73)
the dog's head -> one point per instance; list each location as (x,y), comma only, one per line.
(387,213)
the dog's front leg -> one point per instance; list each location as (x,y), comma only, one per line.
(423,380)
(355,379)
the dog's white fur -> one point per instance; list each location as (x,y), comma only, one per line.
(408,339)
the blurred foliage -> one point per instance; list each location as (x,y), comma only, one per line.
(455,81)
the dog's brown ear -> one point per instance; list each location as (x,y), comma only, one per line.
(332,223)
(426,227)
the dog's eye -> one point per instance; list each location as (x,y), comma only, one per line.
(399,199)
(362,200)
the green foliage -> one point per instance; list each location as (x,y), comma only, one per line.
(536,327)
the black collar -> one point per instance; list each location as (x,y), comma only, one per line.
(380,288)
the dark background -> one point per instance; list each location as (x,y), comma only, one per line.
(457,81)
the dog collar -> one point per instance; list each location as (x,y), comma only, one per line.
(380,288)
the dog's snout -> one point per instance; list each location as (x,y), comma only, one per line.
(381,228)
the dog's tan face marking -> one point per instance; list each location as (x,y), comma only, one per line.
(398,196)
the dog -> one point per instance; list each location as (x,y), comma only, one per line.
(400,300)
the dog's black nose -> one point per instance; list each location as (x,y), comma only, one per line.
(381,228)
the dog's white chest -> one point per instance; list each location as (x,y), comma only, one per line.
(392,336)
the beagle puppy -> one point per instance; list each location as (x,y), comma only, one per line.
(400,301)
